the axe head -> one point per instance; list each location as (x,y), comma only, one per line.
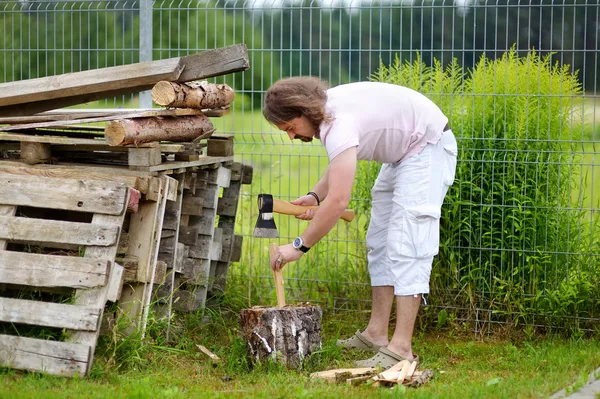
(265,225)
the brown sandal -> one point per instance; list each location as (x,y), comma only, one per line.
(358,341)
(384,358)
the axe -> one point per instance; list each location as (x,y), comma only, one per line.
(265,225)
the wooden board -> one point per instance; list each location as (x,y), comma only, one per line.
(204,160)
(73,114)
(46,356)
(67,194)
(39,270)
(50,139)
(49,314)
(196,66)
(108,174)
(55,231)
(88,82)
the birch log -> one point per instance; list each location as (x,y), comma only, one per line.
(200,95)
(145,130)
(285,335)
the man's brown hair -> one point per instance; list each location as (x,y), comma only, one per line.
(293,97)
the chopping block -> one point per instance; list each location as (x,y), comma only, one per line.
(285,335)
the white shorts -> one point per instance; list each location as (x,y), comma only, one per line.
(404,233)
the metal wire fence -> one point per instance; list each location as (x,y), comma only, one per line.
(520,237)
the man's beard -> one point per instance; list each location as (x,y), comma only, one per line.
(304,139)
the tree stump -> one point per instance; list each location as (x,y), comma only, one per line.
(285,335)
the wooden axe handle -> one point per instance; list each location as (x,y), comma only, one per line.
(286,208)
(278,279)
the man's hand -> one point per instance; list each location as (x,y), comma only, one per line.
(284,254)
(306,200)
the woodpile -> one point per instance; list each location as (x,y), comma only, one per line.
(139,212)
(402,373)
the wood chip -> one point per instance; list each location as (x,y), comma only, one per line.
(203,349)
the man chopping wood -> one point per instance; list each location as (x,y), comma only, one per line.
(410,136)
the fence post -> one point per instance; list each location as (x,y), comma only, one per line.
(146,45)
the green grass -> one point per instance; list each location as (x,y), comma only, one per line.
(464,368)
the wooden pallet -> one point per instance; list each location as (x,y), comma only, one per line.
(198,241)
(91,232)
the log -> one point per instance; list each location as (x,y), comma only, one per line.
(284,335)
(145,130)
(198,95)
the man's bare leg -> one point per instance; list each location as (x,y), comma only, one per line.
(407,308)
(377,330)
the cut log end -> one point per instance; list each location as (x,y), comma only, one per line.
(115,133)
(163,93)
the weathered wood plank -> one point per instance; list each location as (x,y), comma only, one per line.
(88,82)
(49,314)
(46,356)
(39,270)
(108,174)
(50,139)
(56,231)
(75,114)
(196,67)
(68,194)
(204,160)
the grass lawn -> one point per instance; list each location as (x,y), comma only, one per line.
(464,368)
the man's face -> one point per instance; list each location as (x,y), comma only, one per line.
(298,129)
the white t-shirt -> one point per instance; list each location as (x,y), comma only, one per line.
(388,123)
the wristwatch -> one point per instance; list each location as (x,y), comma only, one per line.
(299,245)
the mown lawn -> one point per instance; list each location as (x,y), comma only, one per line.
(467,367)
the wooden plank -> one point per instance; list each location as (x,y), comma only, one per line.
(164,147)
(39,270)
(68,194)
(56,231)
(217,62)
(50,139)
(74,114)
(115,284)
(52,357)
(204,160)
(197,66)
(88,82)
(136,296)
(48,314)
(108,174)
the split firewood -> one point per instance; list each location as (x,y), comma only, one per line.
(199,95)
(420,378)
(145,130)
(343,375)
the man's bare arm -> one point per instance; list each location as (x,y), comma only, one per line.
(340,178)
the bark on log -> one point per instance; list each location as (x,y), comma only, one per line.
(285,335)
(145,130)
(202,95)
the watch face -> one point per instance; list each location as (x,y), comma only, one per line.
(297,243)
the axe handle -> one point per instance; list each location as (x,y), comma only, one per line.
(278,279)
(286,208)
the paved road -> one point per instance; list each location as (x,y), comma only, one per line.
(591,390)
